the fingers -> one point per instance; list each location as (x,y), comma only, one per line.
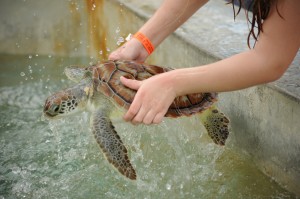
(130,83)
(141,113)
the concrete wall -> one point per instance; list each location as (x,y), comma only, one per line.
(265,119)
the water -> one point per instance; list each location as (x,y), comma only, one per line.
(60,159)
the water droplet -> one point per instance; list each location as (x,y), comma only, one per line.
(93,7)
(168,186)
(107,49)
(128,37)
(120,41)
(36,55)
(100,52)
(117,30)
(49,56)
(181,186)
(30,56)
(22,74)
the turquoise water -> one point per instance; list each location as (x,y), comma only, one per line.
(60,158)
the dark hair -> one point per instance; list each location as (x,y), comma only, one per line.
(260,10)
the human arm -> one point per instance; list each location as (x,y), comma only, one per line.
(170,15)
(271,56)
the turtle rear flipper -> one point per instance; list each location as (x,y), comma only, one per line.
(111,144)
(216,124)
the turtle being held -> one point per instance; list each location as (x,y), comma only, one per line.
(99,91)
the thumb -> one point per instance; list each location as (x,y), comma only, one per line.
(130,83)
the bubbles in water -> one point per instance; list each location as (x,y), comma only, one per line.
(100,52)
(30,56)
(107,49)
(22,74)
(49,56)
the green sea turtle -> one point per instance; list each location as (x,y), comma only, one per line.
(99,90)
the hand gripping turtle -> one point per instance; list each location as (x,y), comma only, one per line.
(99,90)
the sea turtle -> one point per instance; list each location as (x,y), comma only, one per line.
(99,88)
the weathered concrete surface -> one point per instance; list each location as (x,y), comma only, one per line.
(264,118)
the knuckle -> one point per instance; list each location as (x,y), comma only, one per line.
(157,119)
(147,121)
(136,120)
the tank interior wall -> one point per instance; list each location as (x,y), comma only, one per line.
(265,122)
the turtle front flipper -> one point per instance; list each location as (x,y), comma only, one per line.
(77,73)
(216,124)
(111,144)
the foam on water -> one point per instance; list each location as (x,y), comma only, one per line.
(61,159)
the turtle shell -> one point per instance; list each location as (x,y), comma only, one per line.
(106,79)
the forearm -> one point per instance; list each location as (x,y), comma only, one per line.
(237,72)
(170,15)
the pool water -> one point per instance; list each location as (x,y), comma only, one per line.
(61,159)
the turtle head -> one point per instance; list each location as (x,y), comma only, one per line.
(66,102)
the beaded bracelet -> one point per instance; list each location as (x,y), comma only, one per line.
(145,42)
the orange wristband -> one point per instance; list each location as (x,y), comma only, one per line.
(145,42)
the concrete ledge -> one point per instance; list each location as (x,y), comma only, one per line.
(264,118)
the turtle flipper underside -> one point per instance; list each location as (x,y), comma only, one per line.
(216,124)
(111,144)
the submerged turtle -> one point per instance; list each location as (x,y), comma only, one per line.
(98,88)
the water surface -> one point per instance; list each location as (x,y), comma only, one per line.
(60,159)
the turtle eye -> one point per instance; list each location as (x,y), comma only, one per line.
(55,108)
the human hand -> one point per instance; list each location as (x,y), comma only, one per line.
(131,50)
(152,100)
